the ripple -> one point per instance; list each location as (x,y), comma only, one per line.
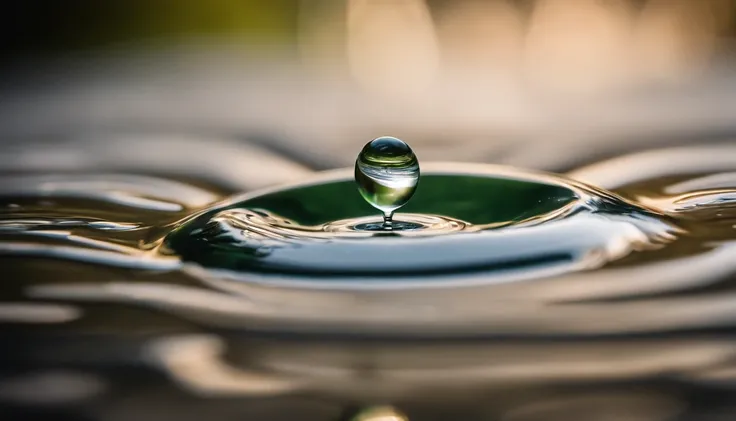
(13,225)
(508,244)
(229,163)
(403,225)
(703,206)
(503,225)
(636,405)
(118,257)
(52,387)
(134,191)
(709,182)
(21,312)
(195,362)
(256,227)
(657,164)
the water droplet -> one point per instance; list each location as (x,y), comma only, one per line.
(387,173)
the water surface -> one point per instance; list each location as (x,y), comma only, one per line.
(160,290)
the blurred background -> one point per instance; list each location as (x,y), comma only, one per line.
(548,84)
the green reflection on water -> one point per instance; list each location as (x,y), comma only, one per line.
(478,200)
(474,199)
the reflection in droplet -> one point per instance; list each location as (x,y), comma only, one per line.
(387,173)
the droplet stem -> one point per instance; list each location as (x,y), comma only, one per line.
(388,223)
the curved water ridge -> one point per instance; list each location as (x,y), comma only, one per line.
(501,223)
